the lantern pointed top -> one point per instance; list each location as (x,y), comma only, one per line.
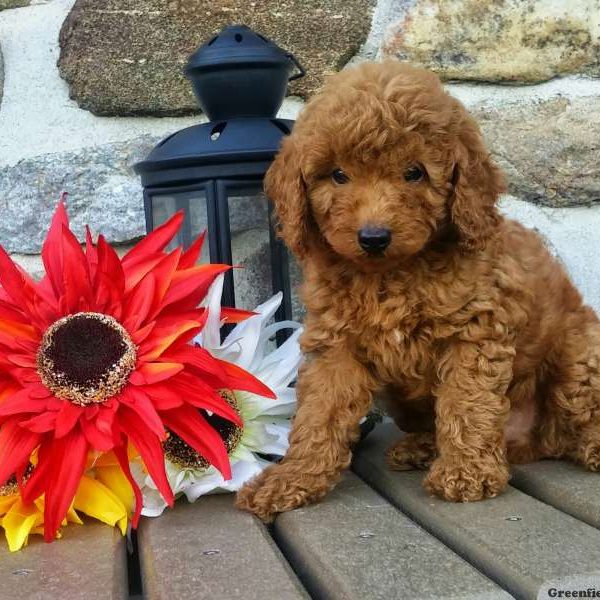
(241,73)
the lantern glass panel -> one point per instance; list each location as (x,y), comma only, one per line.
(193,203)
(249,225)
(248,211)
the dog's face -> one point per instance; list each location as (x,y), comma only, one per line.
(378,209)
(379,165)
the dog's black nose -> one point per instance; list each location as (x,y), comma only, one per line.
(374,239)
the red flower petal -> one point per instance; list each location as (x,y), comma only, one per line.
(138,303)
(22,402)
(157,240)
(12,280)
(193,429)
(150,449)
(193,281)
(190,257)
(42,423)
(91,253)
(163,272)
(76,275)
(109,263)
(235,315)
(219,373)
(68,457)
(9,329)
(23,360)
(121,454)
(163,338)
(194,391)
(52,252)
(138,401)
(16,446)
(97,439)
(67,418)
(239,379)
(149,373)
(141,334)
(163,396)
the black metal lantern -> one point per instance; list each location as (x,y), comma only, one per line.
(215,171)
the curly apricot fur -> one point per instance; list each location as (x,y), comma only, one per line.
(470,325)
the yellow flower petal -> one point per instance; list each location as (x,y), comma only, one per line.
(6,503)
(73,517)
(18,523)
(114,479)
(95,500)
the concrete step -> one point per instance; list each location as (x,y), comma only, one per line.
(88,562)
(514,539)
(354,545)
(211,551)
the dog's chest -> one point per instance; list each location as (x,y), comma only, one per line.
(395,339)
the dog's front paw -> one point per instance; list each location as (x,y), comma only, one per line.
(468,481)
(279,489)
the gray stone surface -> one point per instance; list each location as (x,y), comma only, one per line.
(211,551)
(564,485)
(515,539)
(127,57)
(1,76)
(13,3)
(354,545)
(572,234)
(252,282)
(549,150)
(522,41)
(103,192)
(89,562)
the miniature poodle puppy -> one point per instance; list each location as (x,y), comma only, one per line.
(416,286)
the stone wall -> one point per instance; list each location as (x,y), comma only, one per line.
(88,87)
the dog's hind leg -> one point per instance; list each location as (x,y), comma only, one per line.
(570,425)
(413,451)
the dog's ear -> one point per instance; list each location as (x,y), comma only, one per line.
(477,182)
(285,187)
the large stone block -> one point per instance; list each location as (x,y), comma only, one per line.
(549,150)
(1,76)
(13,3)
(520,41)
(125,57)
(103,191)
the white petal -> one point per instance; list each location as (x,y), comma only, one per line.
(279,368)
(243,471)
(203,486)
(153,503)
(210,338)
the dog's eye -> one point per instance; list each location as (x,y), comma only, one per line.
(414,174)
(339,176)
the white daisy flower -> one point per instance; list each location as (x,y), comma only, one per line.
(266,421)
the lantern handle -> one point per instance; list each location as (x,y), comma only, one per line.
(300,68)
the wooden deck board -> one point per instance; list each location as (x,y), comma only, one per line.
(355,545)
(209,550)
(515,539)
(88,562)
(564,485)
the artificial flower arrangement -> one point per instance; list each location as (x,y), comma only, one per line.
(99,376)
(265,423)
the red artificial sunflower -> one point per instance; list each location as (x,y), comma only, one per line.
(96,355)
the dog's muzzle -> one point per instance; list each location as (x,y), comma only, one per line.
(374,240)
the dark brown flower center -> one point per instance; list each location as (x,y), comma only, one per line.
(86,357)
(185,457)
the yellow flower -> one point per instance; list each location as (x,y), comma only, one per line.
(103,493)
